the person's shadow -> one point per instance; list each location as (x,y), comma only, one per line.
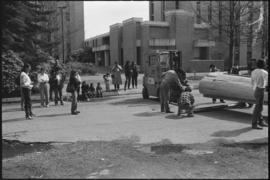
(232,133)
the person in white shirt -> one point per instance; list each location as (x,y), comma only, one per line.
(259,81)
(44,86)
(26,85)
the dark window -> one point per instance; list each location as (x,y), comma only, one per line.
(210,12)
(176,4)
(220,19)
(203,53)
(151,11)
(198,20)
(138,55)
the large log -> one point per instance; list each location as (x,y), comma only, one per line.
(231,87)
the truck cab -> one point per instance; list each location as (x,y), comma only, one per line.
(159,62)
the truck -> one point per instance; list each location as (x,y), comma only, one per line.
(159,62)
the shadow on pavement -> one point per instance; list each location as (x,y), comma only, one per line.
(24,119)
(232,133)
(137,101)
(147,114)
(228,115)
(18,109)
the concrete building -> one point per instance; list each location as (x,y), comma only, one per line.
(70,14)
(174,25)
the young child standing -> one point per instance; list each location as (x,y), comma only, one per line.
(106,78)
(186,102)
(98,90)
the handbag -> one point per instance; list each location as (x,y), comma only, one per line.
(70,88)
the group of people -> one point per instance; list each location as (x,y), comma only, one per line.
(131,75)
(89,91)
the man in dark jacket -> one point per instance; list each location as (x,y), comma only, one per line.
(170,81)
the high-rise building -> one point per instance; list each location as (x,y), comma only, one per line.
(68,19)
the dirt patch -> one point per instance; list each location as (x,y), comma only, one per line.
(128,159)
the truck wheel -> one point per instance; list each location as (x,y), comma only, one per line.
(145,93)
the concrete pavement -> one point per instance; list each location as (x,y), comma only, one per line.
(122,117)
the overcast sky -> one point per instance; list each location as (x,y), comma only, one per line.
(99,15)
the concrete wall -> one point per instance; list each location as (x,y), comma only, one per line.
(76,24)
(129,39)
(115,43)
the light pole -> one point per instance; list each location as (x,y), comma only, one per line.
(62,22)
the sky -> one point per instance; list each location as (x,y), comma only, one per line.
(99,15)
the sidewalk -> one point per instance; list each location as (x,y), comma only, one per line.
(99,78)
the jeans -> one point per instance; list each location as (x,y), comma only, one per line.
(74,96)
(44,93)
(58,94)
(127,82)
(27,101)
(257,112)
(134,81)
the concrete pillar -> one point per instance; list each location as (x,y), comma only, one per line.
(106,58)
(96,59)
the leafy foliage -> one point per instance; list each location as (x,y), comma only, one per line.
(11,68)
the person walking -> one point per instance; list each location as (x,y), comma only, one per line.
(116,75)
(259,82)
(134,76)
(26,84)
(44,86)
(127,69)
(74,82)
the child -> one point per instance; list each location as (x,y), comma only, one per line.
(106,78)
(186,102)
(98,89)
(92,90)
(85,93)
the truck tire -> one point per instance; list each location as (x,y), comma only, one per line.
(145,93)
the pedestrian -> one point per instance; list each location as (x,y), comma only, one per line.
(106,78)
(44,86)
(213,68)
(170,81)
(26,84)
(186,102)
(259,82)
(127,69)
(116,75)
(98,90)
(59,84)
(74,83)
(92,90)
(134,76)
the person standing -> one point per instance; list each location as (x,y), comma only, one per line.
(213,68)
(127,69)
(259,82)
(59,84)
(44,86)
(99,90)
(51,83)
(116,75)
(26,85)
(74,82)
(134,76)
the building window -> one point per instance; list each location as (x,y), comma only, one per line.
(198,19)
(67,16)
(138,56)
(163,10)
(210,12)
(176,4)
(204,53)
(220,19)
(151,11)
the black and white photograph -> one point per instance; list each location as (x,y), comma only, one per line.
(134,89)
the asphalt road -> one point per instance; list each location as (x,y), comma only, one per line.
(128,116)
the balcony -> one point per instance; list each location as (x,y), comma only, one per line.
(162,42)
(204,43)
(101,48)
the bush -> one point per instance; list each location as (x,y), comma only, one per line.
(11,68)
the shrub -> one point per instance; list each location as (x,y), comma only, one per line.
(82,68)
(11,68)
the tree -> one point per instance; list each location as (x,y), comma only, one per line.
(229,18)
